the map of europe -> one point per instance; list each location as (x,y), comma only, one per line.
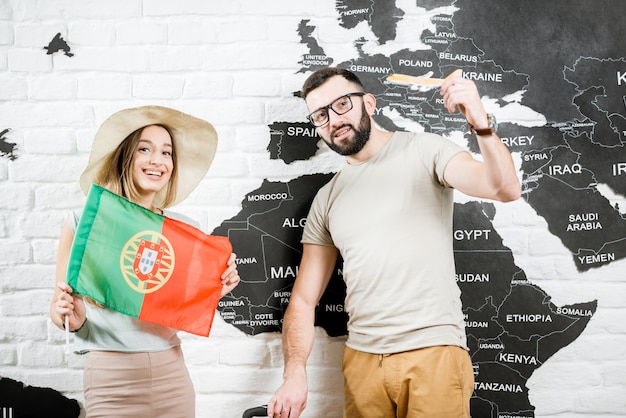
(577,155)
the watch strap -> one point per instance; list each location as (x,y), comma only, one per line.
(485,131)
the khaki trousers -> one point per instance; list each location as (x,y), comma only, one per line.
(433,382)
(138,385)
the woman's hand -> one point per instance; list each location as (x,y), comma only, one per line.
(230,277)
(66,304)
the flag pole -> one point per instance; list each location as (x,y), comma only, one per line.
(67,337)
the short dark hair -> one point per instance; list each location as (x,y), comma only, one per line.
(320,76)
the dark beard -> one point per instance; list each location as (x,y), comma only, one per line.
(361,136)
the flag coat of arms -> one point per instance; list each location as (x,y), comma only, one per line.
(146,265)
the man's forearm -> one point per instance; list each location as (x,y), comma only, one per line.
(298,338)
(500,169)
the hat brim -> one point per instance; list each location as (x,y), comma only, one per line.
(195,141)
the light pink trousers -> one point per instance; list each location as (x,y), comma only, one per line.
(138,385)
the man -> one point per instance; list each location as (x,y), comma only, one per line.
(389,213)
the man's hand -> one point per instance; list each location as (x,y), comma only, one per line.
(290,399)
(462,93)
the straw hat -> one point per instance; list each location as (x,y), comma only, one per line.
(195,141)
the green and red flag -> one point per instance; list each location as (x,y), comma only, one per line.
(146,265)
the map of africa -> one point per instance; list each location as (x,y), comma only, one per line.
(578,87)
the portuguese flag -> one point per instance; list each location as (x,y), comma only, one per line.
(145,265)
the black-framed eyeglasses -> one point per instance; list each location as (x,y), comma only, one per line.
(340,106)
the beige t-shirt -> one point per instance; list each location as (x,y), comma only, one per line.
(391,219)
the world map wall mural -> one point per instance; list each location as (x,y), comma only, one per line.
(572,168)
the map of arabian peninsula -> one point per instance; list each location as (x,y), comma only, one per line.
(576,155)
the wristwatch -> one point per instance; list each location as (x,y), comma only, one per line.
(493,125)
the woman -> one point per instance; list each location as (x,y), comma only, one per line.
(153,156)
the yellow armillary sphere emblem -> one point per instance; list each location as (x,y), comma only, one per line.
(147,261)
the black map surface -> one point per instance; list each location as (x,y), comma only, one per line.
(7,149)
(572,74)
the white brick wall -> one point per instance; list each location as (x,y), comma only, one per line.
(233,63)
